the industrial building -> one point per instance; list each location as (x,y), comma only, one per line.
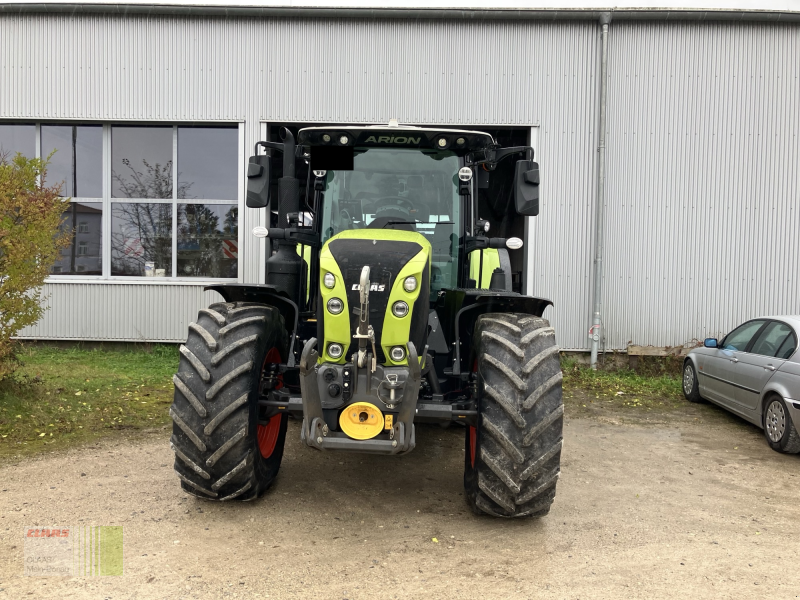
(154,109)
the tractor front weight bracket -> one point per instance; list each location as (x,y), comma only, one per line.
(315,432)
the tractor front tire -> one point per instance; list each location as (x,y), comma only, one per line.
(221,450)
(513,456)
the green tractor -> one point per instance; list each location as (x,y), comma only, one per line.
(386,305)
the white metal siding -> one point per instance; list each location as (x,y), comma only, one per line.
(303,70)
(119,312)
(110,67)
(703,208)
(701,216)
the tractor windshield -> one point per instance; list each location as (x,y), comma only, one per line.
(391,188)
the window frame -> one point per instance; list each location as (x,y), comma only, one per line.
(764,323)
(792,336)
(762,331)
(106,201)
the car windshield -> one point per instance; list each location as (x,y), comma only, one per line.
(390,188)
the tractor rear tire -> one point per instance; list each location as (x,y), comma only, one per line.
(221,451)
(513,456)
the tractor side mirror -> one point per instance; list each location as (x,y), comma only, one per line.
(526,188)
(258,173)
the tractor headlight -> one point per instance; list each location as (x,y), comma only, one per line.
(397,353)
(410,284)
(335,350)
(335,306)
(400,309)
(329,280)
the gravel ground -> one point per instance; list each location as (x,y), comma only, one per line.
(684,504)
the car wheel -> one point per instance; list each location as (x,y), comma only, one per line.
(690,389)
(778,427)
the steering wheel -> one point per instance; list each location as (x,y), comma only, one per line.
(400,206)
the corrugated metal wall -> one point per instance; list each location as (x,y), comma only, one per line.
(120,312)
(702,142)
(460,73)
(703,194)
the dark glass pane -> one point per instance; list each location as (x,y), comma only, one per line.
(770,340)
(741,336)
(78,160)
(788,347)
(85,255)
(207,240)
(17,138)
(141,162)
(141,239)
(207,163)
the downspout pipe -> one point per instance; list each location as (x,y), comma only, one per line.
(596,332)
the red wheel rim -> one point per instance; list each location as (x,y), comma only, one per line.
(268,434)
(473,434)
(473,431)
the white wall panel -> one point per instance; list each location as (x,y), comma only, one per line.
(703,199)
(119,312)
(703,143)
(108,68)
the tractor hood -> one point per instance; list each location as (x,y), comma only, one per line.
(392,256)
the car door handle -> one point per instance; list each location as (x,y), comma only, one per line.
(734,360)
(770,367)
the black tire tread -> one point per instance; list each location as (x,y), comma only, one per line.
(790,443)
(518,454)
(214,411)
(694,396)
(793,443)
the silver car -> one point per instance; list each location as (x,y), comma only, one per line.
(754,372)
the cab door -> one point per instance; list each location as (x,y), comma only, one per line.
(720,366)
(757,366)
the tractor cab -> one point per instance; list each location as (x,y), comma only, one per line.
(400,188)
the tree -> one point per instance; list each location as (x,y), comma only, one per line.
(30,242)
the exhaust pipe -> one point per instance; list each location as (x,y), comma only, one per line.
(285,267)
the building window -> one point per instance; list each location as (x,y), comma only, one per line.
(85,256)
(141,239)
(143,173)
(168,196)
(76,159)
(17,137)
(141,162)
(207,158)
(207,240)
(75,155)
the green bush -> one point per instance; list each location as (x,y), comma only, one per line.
(30,242)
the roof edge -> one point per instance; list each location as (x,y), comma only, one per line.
(404,13)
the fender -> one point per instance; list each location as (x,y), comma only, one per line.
(470,304)
(265,294)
